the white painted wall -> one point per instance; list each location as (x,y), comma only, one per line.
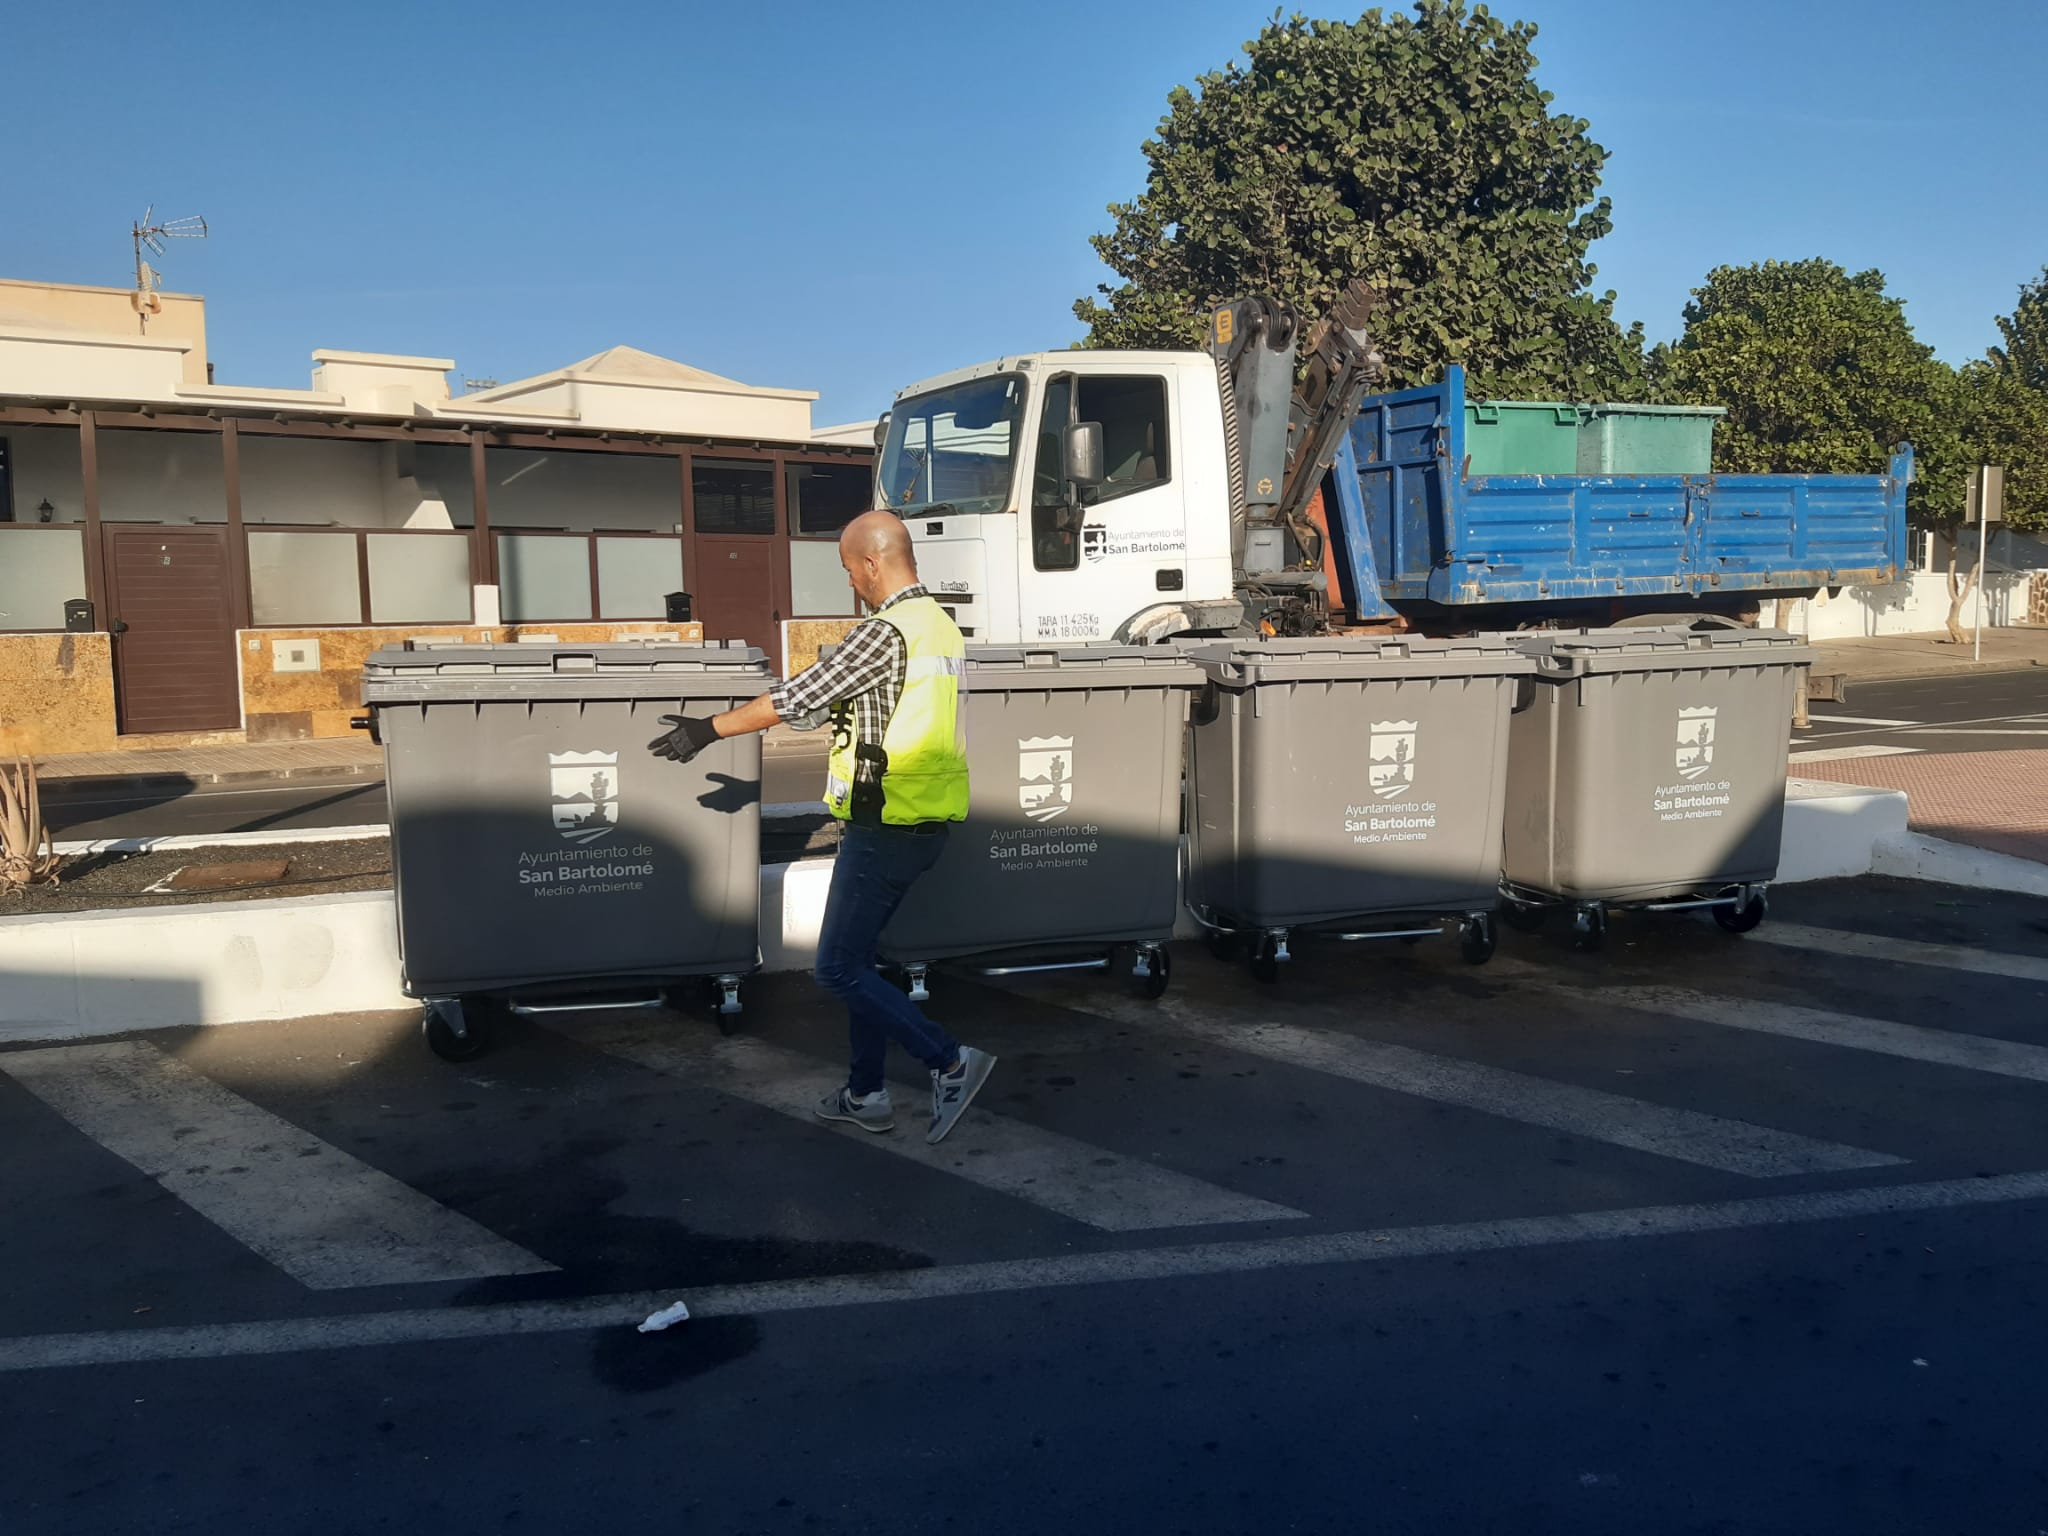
(45,465)
(91,367)
(1912,607)
(162,477)
(382,381)
(632,493)
(352,485)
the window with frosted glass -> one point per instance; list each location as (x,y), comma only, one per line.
(419,578)
(635,576)
(543,579)
(40,568)
(304,578)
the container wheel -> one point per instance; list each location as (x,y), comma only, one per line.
(1266,958)
(1523,917)
(725,1004)
(1589,928)
(457,1028)
(1742,918)
(1158,975)
(1477,938)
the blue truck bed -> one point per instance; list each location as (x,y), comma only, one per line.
(1414,533)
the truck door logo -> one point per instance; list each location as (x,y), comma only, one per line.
(1696,740)
(1392,769)
(1045,776)
(1094,544)
(586,794)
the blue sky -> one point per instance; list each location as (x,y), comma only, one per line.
(845,198)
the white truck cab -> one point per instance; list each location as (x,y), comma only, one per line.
(1067,496)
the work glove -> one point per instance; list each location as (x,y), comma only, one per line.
(689,737)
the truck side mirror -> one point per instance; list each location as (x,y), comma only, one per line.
(1082,451)
(882,429)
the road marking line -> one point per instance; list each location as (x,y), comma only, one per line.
(1911,1042)
(1844,754)
(326,1219)
(184,840)
(71,1351)
(1857,720)
(1055,1172)
(1870,946)
(1710,1141)
(1943,730)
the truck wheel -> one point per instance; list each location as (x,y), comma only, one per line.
(1589,928)
(1477,938)
(445,1041)
(1740,919)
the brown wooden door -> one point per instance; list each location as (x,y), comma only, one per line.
(174,636)
(742,556)
(734,593)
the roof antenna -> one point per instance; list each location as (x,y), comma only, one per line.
(150,236)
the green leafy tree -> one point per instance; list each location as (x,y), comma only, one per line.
(2007,399)
(1820,374)
(1416,152)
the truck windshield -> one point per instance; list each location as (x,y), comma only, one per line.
(956,446)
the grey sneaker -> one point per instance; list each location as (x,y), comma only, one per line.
(873,1113)
(953,1091)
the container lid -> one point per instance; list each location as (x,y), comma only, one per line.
(1330,657)
(610,669)
(1000,668)
(1582,653)
(1656,410)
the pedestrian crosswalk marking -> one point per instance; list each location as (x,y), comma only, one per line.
(1871,946)
(1710,1141)
(1056,1172)
(1846,754)
(328,1220)
(1911,1042)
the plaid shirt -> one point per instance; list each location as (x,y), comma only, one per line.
(865,672)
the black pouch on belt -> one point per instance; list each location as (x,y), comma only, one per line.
(869,764)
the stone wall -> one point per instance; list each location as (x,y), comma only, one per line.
(298,705)
(56,694)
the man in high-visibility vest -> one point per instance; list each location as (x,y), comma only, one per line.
(897,777)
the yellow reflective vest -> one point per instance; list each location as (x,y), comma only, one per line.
(921,769)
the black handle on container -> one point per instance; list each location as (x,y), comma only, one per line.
(366,721)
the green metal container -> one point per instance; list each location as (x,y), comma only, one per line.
(1648,439)
(1522,437)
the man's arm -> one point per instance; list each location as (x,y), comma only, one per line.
(861,663)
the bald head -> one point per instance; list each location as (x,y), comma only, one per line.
(875,549)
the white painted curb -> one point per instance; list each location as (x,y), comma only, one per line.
(67,975)
(1916,856)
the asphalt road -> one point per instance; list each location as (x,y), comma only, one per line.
(1997,712)
(791,773)
(1697,1234)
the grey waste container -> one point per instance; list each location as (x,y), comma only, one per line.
(1350,783)
(1071,847)
(540,853)
(1650,771)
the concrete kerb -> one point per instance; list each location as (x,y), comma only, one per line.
(72,975)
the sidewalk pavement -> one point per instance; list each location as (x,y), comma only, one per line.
(350,759)
(1993,800)
(1893,658)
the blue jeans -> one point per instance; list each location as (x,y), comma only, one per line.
(876,865)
